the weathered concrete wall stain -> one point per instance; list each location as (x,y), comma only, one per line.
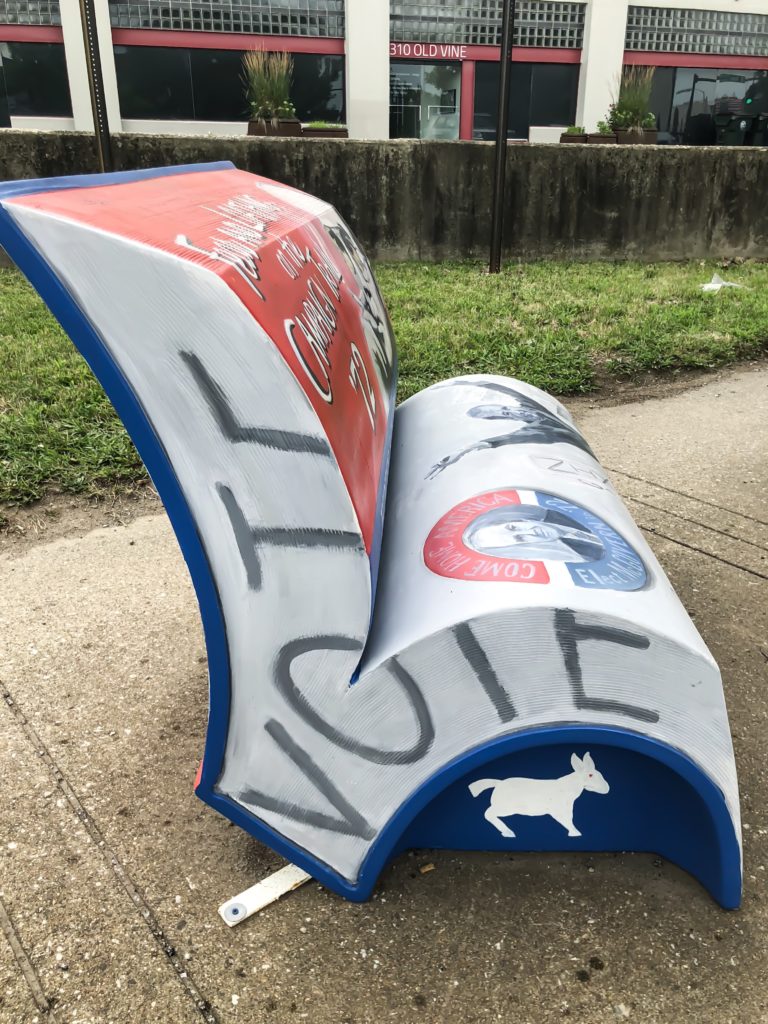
(431,200)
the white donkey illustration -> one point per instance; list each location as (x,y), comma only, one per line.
(539,797)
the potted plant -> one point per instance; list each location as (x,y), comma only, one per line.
(631,130)
(325,130)
(604,134)
(630,116)
(575,133)
(267,79)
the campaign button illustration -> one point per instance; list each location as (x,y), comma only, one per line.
(531,537)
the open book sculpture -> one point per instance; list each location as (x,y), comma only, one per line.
(496,663)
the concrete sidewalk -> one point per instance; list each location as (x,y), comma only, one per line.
(111,871)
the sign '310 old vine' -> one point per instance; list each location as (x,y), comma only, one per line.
(437,627)
(432,51)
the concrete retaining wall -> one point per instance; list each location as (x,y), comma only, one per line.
(431,200)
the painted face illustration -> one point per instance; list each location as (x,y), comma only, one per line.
(507,412)
(528,531)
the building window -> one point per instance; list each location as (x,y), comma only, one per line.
(424,100)
(541,94)
(323,18)
(687,31)
(29,12)
(175,84)
(553,23)
(691,103)
(5,114)
(154,83)
(36,79)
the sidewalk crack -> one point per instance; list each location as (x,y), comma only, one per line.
(701,551)
(25,964)
(201,1004)
(691,497)
(697,522)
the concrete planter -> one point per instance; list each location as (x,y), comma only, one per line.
(644,137)
(286,127)
(326,133)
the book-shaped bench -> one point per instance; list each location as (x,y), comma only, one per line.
(498,662)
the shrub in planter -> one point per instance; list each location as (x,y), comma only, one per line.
(604,134)
(631,133)
(630,116)
(574,134)
(267,80)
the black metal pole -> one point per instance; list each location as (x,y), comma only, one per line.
(690,102)
(96,84)
(500,162)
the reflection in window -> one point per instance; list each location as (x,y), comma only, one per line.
(692,105)
(159,83)
(36,79)
(756,99)
(705,98)
(318,87)
(736,90)
(424,100)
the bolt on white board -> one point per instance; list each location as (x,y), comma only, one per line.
(261,895)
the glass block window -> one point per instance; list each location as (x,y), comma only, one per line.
(558,23)
(258,17)
(685,31)
(29,12)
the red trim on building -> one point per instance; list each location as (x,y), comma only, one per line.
(224,41)
(31,34)
(541,55)
(467,106)
(454,52)
(652,58)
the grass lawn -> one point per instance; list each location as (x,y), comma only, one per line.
(561,326)
(565,326)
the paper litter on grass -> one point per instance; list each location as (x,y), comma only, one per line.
(717,283)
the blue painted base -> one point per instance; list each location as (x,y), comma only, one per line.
(659,802)
(650,808)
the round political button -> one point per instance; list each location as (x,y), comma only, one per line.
(520,536)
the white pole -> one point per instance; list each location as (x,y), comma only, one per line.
(602,58)
(367,55)
(77,68)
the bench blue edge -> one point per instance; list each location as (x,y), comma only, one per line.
(128,407)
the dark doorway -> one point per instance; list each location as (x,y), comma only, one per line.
(541,94)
